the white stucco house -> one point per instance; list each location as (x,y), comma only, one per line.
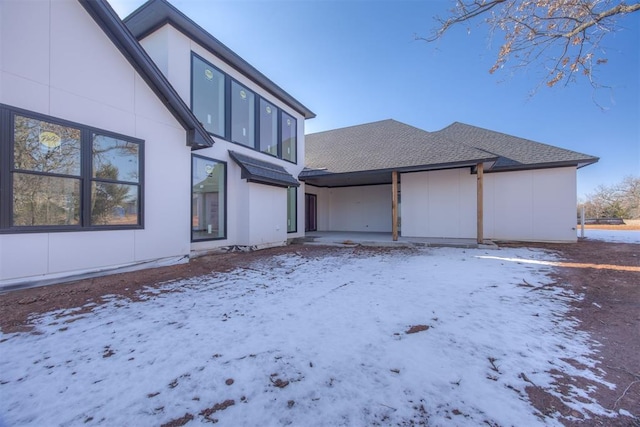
(135,144)
(139,143)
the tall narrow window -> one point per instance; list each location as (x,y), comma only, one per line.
(242,115)
(207,96)
(208,186)
(268,128)
(289,138)
(46,173)
(115,187)
(292,210)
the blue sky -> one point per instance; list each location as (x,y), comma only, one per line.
(356,61)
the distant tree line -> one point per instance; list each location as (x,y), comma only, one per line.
(621,200)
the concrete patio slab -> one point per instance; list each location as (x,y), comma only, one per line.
(354,238)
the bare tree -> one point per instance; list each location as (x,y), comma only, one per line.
(563,36)
(630,187)
(621,200)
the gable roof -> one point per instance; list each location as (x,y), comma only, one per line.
(156,13)
(514,152)
(254,170)
(114,28)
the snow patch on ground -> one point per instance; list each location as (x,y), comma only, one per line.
(310,342)
(615,236)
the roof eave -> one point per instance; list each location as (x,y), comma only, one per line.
(406,169)
(547,165)
(121,37)
(142,25)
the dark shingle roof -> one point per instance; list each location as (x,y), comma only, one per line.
(343,156)
(514,152)
(113,27)
(156,13)
(254,170)
(385,145)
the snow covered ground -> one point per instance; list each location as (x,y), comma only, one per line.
(309,341)
(615,236)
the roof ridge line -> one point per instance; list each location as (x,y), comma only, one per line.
(354,126)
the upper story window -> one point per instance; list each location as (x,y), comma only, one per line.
(242,115)
(289,137)
(208,96)
(62,176)
(268,128)
(230,110)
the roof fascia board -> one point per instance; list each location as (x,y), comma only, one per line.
(404,169)
(141,26)
(552,165)
(121,37)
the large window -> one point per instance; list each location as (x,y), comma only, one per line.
(208,96)
(289,138)
(231,111)
(242,115)
(268,128)
(57,175)
(208,199)
(292,210)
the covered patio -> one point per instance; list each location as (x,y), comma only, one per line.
(460,184)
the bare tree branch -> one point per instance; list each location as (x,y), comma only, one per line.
(563,35)
(618,10)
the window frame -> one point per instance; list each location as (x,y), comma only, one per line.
(228,119)
(8,170)
(284,115)
(226,195)
(294,216)
(226,87)
(276,116)
(255,125)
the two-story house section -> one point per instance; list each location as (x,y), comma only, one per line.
(244,189)
(121,154)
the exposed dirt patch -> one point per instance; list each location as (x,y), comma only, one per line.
(178,422)
(609,311)
(207,413)
(417,328)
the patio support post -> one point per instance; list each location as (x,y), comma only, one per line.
(480,200)
(394,205)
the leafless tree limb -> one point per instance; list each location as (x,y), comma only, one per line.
(564,35)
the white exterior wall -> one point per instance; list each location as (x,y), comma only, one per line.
(173,49)
(439,204)
(267,215)
(55,60)
(534,205)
